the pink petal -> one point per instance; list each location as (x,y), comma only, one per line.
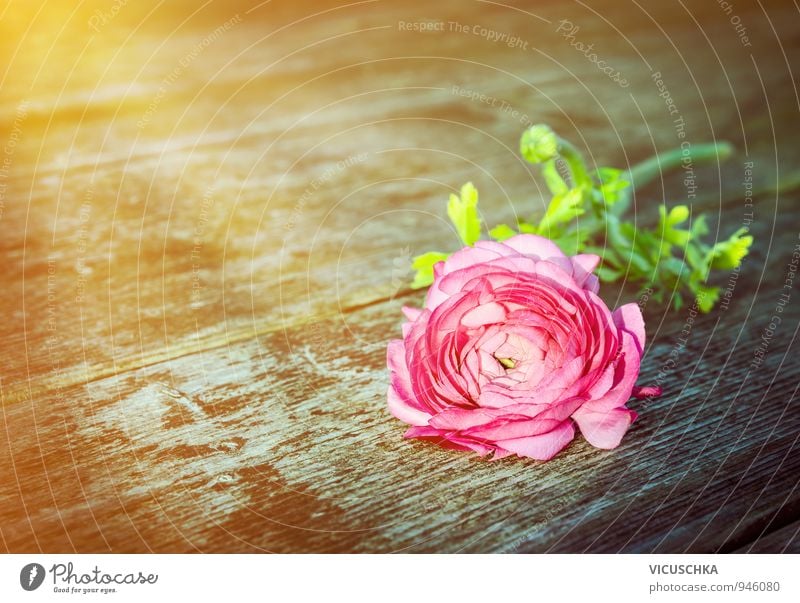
(582,267)
(559,277)
(509,430)
(396,356)
(592,283)
(485,314)
(454,419)
(604,429)
(529,244)
(471,256)
(629,318)
(647,392)
(541,447)
(422,431)
(401,410)
(500,454)
(626,372)
(412,313)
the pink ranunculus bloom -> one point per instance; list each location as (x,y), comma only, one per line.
(512,350)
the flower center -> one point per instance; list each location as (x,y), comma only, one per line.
(509,363)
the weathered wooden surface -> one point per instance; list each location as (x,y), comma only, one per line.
(198,295)
(783,540)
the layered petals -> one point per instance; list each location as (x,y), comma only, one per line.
(512,350)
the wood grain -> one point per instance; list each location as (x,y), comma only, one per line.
(783,540)
(198,306)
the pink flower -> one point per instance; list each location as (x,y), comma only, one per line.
(512,350)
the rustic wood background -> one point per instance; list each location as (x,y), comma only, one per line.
(207,214)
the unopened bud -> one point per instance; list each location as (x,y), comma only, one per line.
(539,144)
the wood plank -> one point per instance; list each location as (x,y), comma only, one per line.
(782,540)
(124,205)
(254,420)
(282,443)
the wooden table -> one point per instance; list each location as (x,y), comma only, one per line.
(208,212)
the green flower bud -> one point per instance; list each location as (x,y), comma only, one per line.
(539,144)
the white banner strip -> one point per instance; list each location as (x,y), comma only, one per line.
(406,578)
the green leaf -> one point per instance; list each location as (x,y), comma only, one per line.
(706,298)
(670,257)
(640,262)
(563,209)
(675,267)
(463,213)
(699,227)
(607,255)
(668,222)
(728,255)
(424,264)
(573,241)
(608,275)
(695,258)
(569,244)
(611,184)
(617,240)
(501,232)
(677,215)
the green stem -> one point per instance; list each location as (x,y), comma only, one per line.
(651,169)
(574,160)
